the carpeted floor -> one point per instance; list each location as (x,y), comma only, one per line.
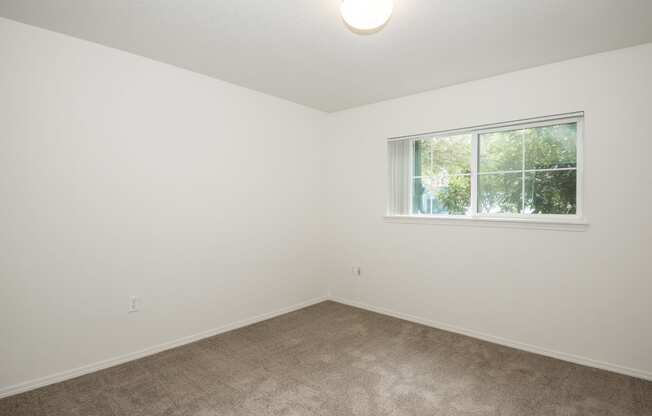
(332,359)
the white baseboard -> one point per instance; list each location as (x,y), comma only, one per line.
(646,375)
(80,371)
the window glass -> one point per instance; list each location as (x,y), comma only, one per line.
(551,147)
(442,175)
(500,193)
(551,192)
(525,169)
(501,151)
(528,171)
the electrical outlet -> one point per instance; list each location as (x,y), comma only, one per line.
(356,270)
(134,304)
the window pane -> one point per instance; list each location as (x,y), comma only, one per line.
(500,193)
(551,192)
(442,182)
(443,156)
(551,147)
(452,196)
(501,151)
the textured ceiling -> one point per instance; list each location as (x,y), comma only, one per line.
(301,50)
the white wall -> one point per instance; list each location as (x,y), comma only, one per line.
(581,293)
(122,176)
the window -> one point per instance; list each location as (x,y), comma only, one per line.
(521,170)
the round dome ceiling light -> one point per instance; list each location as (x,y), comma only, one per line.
(366,15)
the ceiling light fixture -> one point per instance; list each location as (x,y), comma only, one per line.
(366,15)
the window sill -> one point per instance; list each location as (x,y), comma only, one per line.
(522,223)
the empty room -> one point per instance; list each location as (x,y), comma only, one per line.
(325,208)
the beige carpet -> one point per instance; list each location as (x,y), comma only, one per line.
(332,359)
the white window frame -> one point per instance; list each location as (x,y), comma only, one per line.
(572,222)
